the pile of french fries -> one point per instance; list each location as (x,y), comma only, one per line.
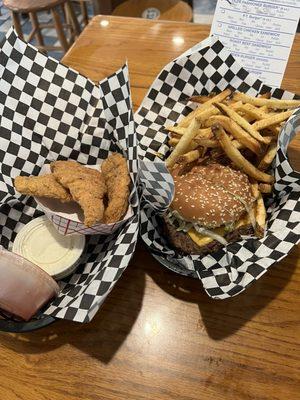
(238,129)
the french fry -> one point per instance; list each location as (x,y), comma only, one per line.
(209,143)
(258,113)
(189,157)
(207,113)
(196,142)
(209,100)
(245,115)
(265,188)
(255,191)
(261,216)
(272,120)
(267,110)
(241,121)
(209,122)
(253,111)
(236,105)
(173,142)
(268,157)
(184,123)
(229,101)
(251,212)
(238,133)
(202,98)
(203,112)
(207,105)
(174,135)
(206,132)
(238,159)
(270,103)
(192,146)
(183,143)
(237,144)
(176,129)
(266,95)
(264,108)
(278,129)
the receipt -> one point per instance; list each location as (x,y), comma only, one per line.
(259,34)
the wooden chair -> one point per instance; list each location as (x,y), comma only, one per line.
(99,7)
(173,10)
(32,7)
(84,10)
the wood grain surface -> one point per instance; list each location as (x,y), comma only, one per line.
(158,335)
(31,5)
(170,10)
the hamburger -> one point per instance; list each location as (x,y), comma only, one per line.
(212,206)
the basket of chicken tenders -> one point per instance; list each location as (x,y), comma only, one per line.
(220,200)
(69,205)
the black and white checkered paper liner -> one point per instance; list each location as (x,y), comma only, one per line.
(205,68)
(157,184)
(48,112)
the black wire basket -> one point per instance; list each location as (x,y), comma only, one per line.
(10,324)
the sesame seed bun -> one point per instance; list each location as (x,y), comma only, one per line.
(211,195)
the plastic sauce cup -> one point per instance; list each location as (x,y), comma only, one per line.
(39,242)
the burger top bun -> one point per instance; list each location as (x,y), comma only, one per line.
(211,195)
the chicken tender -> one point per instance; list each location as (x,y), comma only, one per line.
(117,179)
(86,186)
(42,186)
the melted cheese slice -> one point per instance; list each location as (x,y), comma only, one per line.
(203,240)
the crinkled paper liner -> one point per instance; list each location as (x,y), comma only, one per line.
(205,68)
(49,112)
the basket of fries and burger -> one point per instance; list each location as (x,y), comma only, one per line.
(69,205)
(220,201)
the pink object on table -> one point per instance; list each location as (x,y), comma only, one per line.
(24,287)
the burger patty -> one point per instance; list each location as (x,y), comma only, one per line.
(182,241)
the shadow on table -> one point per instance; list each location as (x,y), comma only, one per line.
(103,336)
(222,318)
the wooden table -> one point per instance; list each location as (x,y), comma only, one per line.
(158,335)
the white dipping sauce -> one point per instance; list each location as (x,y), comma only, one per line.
(40,243)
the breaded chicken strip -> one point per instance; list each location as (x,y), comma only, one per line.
(117,179)
(42,186)
(86,186)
